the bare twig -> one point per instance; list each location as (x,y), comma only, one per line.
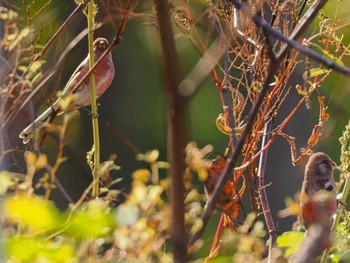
(244,7)
(262,190)
(234,156)
(59,31)
(176,130)
(297,32)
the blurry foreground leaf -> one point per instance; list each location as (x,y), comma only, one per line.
(31,211)
(290,240)
(127,214)
(21,249)
(94,220)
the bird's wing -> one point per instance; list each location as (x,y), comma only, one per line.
(76,73)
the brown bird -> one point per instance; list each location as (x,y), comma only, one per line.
(318,198)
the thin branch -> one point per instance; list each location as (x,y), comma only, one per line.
(262,190)
(303,25)
(244,7)
(234,156)
(95,128)
(176,130)
(59,31)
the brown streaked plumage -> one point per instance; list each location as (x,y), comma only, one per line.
(318,180)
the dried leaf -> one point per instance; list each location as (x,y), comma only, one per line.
(315,136)
(323,114)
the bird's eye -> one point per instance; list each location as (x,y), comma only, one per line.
(329,162)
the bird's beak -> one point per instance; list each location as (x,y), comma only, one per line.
(334,164)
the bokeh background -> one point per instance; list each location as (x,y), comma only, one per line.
(133,108)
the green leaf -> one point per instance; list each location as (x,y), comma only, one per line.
(23,249)
(93,221)
(31,211)
(290,240)
(329,55)
(318,71)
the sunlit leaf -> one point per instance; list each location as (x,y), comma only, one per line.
(197,225)
(95,220)
(41,162)
(142,174)
(152,155)
(154,193)
(36,79)
(22,249)
(163,165)
(138,193)
(290,240)
(32,211)
(318,71)
(30,158)
(24,33)
(329,55)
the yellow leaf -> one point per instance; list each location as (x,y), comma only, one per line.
(142,174)
(31,211)
(41,162)
(30,158)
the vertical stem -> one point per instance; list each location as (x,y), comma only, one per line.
(176,130)
(96,137)
(262,191)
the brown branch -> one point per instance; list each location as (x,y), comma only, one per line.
(234,156)
(59,31)
(289,41)
(262,191)
(176,130)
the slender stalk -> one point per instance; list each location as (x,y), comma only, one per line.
(96,137)
(59,32)
(245,8)
(262,191)
(234,156)
(176,130)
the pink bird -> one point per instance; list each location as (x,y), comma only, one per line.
(104,74)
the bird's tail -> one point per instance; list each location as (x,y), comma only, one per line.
(36,125)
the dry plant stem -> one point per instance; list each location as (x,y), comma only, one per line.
(176,130)
(303,24)
(95,130)
(54,169)
(305,21)
(292,43)
(262,190)
(59,31)
(216,241)
(234,156)
(344,196)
